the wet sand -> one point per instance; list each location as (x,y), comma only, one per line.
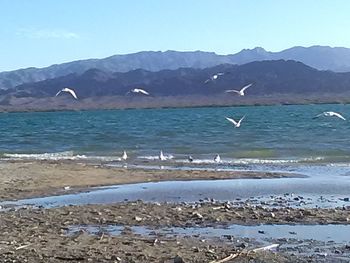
(42,235)
(33,235)
(20,180)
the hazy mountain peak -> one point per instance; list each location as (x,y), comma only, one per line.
(320,57)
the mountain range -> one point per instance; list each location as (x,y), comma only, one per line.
(273,81)
(335,59)
(269,77)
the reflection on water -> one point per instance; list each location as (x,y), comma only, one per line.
(320,191)
(336,233)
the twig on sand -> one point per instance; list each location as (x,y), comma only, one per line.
(231,256)
(24,246)
(269,247)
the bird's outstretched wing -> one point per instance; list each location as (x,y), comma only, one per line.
(231,120)
(143,92)
(72,92)
(318,115)
(339,116)
(239,122)
(205,82)
(245,87)
(58,93)
(232,90)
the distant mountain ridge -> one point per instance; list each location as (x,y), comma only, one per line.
(336,59)
(269,77)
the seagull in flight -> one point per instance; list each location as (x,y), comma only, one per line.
(214,77)
(330,114)
(235,123)
(240,92)
(217,158)
(139,91)
(125,156)
(68,90)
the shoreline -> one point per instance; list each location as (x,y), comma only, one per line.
(29,179)
(256,102)
(32,234)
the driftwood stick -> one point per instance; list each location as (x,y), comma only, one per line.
(269,247)
(24,246)
(231,256)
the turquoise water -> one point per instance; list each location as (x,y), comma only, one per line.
(269,134)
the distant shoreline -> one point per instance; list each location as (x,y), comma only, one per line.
(170,102)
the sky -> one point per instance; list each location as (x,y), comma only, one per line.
(39,33)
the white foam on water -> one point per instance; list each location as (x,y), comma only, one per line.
(251,161)
(155,157)
(66,155)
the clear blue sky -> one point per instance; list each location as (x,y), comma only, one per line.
(39,33)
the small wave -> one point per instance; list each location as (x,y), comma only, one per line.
(155,157)
(241,161)
(43,156)
(67,155)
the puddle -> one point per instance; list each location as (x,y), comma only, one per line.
(261,233)
(293,192)
(321,241)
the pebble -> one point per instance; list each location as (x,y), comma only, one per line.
(138,219)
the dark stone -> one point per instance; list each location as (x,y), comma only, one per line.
(178,259)
(242,245)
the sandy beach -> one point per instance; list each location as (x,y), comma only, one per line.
(63,234)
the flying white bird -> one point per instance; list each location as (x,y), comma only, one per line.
(235,123)
(139,91)
(240,92)
(125,156)
(330,114)
(214,77)
(217,158)
(161,156)
(72,92)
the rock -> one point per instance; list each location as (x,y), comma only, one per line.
(138,219)
(261,232)
(242,245)
(178,259)
(346,199)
